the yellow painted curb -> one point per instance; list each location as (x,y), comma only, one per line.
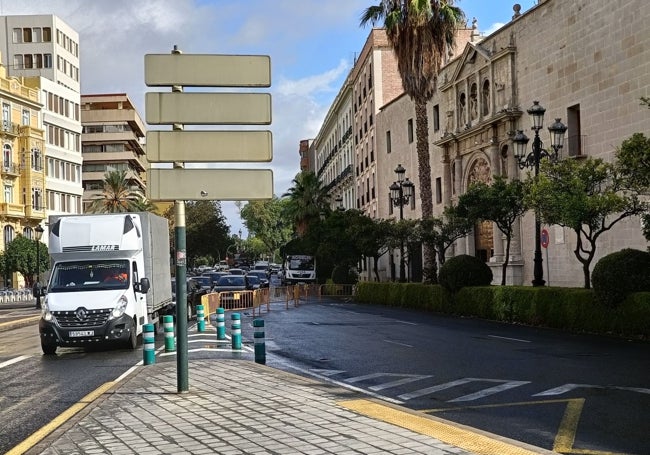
(455,435)
(66,415)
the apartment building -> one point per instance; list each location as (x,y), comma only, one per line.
(113,138)
(22,176)
(333,149)
(44,50)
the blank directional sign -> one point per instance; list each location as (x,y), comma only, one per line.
(209,146)
(208,108)
(209,184)
(201,70)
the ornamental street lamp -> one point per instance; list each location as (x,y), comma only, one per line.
(339,203)
(401,192)
(37,286)
(531,160)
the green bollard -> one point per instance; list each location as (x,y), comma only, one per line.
(200,318)
(168,326)
(221,324)
(149,343)
(260,346)
(236,331)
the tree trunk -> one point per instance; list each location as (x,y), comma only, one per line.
(430,267)
(504,269)
(376,267)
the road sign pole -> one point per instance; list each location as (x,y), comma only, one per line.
(182,354)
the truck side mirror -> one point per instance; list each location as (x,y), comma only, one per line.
(143,286)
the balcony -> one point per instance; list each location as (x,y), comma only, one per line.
(12,210)
(10,170)
(8,128)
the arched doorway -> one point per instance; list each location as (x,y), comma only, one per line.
(483,231)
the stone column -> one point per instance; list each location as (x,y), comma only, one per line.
(497,235)
(461,244)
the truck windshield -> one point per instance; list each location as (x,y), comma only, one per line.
(301,263)
(90,275)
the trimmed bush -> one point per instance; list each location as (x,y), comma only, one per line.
(619,274)
(462,271)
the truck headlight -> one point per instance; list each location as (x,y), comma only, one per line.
(45,311)
(120,307)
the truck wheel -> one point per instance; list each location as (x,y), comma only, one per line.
(48,349)
(132,342)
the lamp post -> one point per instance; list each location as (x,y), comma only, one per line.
(339,203)
(37,286)
(401,192)
(531,160)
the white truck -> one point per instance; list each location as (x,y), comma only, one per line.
(110,275)
(298,269)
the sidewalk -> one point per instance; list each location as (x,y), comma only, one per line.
(236,406)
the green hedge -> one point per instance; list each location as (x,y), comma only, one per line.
(569,309)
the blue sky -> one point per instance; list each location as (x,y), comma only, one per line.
(312,45)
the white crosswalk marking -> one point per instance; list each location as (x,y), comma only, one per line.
(569,387)
(506,384)
(490,391)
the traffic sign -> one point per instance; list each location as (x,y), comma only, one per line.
(204,70)
(208,108)
(209,184)
(544,238)
(209,146)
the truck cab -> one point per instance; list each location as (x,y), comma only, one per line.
(99,289)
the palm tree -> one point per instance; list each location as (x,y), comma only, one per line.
(420,33)
(308,200)
(117,196)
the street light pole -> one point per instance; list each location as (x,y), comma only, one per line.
(37,286)
(557,130)
(401,192)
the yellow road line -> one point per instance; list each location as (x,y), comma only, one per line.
(40,434)
(566,433)
(455,435)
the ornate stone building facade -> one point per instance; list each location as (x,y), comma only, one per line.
(586,63)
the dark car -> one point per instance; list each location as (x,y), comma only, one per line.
(194,293)
(214,276)
(230,288)
(262,276)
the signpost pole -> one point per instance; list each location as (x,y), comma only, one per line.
(182,354)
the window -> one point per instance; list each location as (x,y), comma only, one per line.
(438,190)
(6,116)
(410,130)
(27,35)
(436,118)
(6,156)
(37,199)
(28,233)
(37,35)
(29,61)
(9,235)
(388,144)
(18,61)
(17,35)
(47,60)
(9,194)
(573,132)
(25,116)
(47,35)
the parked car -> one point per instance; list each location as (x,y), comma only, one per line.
(237,271)
(253,282)
(261,275)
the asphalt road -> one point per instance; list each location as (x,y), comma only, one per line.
(572,394)
(568,393)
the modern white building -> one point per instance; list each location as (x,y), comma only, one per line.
(45,51)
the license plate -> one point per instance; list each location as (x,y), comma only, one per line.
(81,333)
(235,296)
